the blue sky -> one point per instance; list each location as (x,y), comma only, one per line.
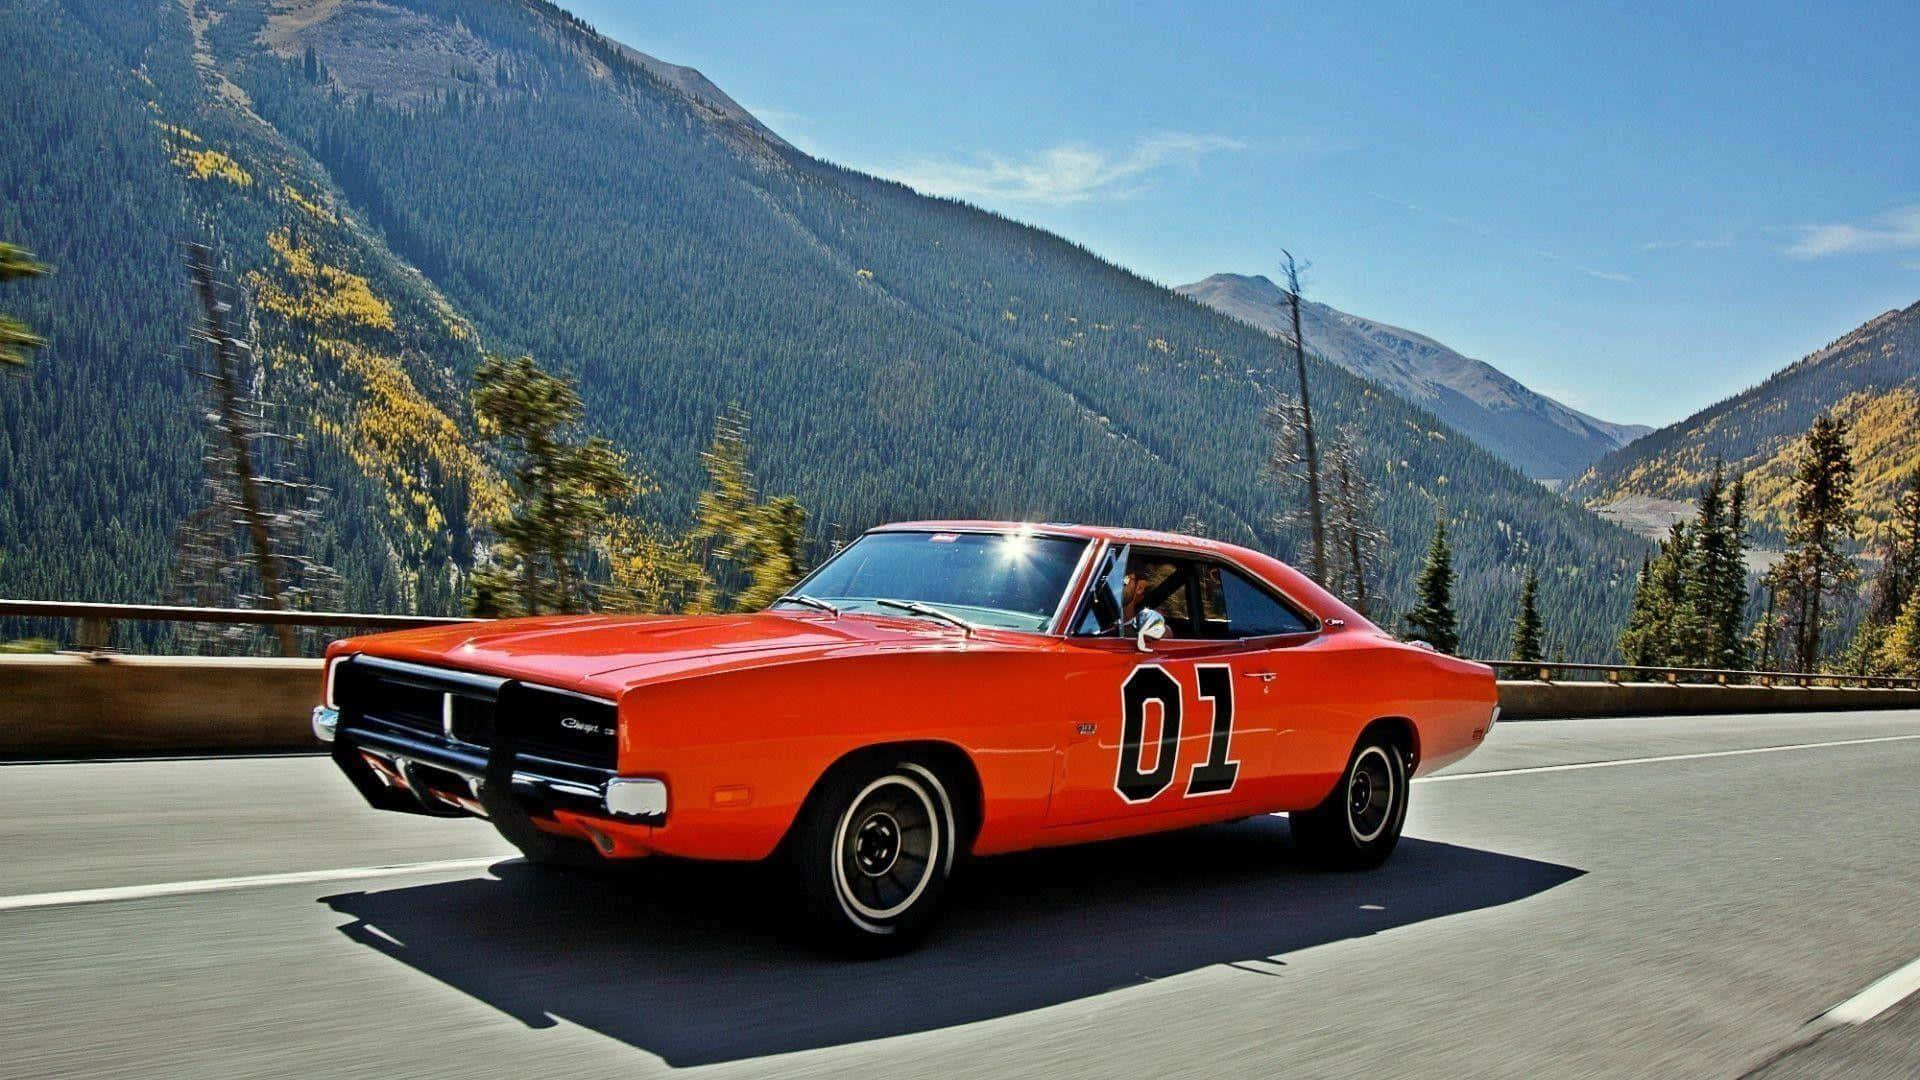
(1638,210)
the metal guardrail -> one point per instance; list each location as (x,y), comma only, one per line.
(1676,676)
(94,618)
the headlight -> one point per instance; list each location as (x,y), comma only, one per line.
(326,719)
(326,688)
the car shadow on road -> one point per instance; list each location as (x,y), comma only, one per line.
(696,965)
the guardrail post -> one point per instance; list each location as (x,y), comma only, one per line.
(96,635)
(1613,676)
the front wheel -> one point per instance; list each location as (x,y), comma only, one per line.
(872,854)
(1357,826)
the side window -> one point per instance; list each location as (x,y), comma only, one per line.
(1158,582)
(1233,607)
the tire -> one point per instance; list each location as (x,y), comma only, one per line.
(871,855)
(1359,823)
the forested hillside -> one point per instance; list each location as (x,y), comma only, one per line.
(402,184)
(1871,377)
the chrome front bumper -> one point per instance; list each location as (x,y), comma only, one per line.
(642,800)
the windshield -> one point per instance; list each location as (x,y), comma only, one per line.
(1013,581)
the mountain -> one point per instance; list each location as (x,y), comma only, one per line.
(1871,376)
(398,186)
(1538,435)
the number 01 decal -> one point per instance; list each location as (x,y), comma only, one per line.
(1151,684)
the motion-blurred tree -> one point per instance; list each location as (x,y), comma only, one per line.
(1895,584)
(16,341)
(1309,452)
(748,550)
(565,490)
(1432,620)
(1900,652)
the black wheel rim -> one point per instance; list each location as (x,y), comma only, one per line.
(1370,794)
(886,847)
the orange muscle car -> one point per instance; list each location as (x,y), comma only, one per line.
(935,690)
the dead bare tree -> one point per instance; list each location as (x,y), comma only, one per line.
(242,546)
(1310,453)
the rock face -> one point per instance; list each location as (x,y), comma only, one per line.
(1538,435)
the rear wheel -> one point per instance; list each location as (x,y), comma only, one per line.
(1357,826)
(872,852)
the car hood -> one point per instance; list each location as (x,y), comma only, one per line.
(604,654)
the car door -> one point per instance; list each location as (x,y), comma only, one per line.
(1165,733)
(1287,695)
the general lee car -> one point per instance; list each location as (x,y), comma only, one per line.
(934,690)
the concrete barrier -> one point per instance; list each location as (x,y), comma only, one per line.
(75,706)
(69,706)
(1532,700)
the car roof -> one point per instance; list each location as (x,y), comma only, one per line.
(1112,533)
(1303,590)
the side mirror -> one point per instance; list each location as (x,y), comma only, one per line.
(1148,627)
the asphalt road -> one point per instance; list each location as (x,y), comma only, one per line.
(1685,916)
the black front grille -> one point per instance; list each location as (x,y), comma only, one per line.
(457,708)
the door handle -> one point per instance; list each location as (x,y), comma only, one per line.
(1263,676)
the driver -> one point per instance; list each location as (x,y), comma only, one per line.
(1133,594)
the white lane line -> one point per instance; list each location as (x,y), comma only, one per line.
(1876,999)
(256,881)
(1663,757)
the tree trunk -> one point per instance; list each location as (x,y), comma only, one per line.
(1306,419)
(251,504)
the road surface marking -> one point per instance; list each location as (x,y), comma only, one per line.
(1875,999)
(206,885)
(1663,757)
(1907,977)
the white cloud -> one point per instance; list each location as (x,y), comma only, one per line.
(1606,275)
(1895,230)
(1691,245)
(1059,175)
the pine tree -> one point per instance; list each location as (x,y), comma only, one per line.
(1711,631)
(16,341)
(1432,620)
(1638,640)
(1526,644)
(565,490)
(1665,629)
(1729,617)
(1816,567)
